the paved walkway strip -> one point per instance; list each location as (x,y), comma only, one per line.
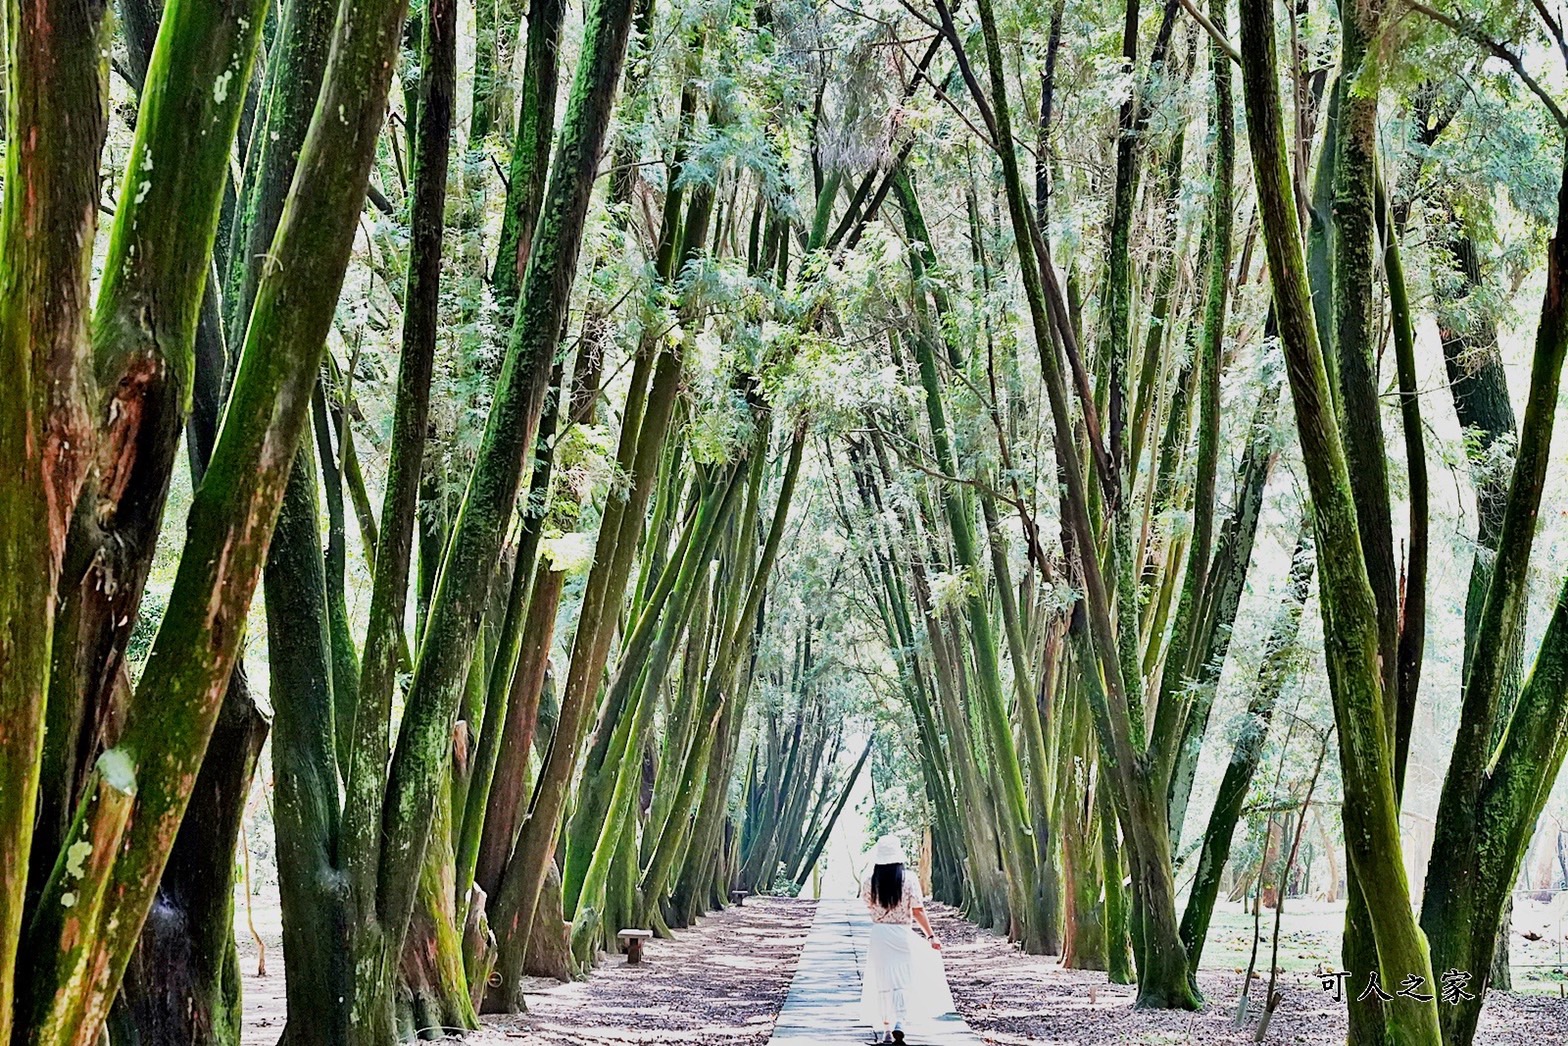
(823,1005)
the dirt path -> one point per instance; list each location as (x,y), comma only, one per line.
(720,983)
(1009,998)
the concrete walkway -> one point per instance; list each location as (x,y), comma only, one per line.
(824,999)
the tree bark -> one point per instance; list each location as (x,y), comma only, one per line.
(178,698)
(531,148)
(307,814)
(57,121)
(1352,636)
(1247,752)
(183,983)
(1492,788)
(513,420)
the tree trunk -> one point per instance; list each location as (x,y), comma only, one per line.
(1496,788)
(531,149)
(56,96)
(306,809)
(134,798)
(550,268)
(1083,869)
(1246,754)
(433,984)
(1118,945)
(183,983)
(1353,638)
(1479,386)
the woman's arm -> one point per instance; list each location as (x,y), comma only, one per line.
(925,924)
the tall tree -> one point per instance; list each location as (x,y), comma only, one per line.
(1350,612)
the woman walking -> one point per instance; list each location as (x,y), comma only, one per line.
(893,896)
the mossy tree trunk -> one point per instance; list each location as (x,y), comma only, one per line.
(183,981)
(1479,386)
(514,420)
(1352,634)
(1494,788)
(55,99)
(1247,752)
(531,147)
(136,802)
(1083,870)
(145,327)
(1140,798)
(1353,350)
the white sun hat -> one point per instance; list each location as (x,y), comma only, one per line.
(888,851)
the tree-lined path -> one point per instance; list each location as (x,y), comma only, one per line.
(823,1005)
(532,470)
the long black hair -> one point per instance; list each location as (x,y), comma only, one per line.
(887,884)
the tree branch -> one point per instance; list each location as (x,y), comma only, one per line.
(1213,30)
(1496,50)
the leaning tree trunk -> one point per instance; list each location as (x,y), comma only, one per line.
(1353,643)
(419,763)
(1479,386)
(156,274)
(1247,752)
(1492,792)
(137,801)
(183,983)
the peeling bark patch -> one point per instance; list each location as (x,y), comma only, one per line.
(124,422)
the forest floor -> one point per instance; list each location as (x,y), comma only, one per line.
(720,983)
(723,981)
(1011,998)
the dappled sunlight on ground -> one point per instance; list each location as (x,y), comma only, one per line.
(1011,998)
(720,982)
(723,982)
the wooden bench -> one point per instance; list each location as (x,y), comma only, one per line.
(632,939)
(738,897)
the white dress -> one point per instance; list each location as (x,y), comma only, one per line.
(889,970)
